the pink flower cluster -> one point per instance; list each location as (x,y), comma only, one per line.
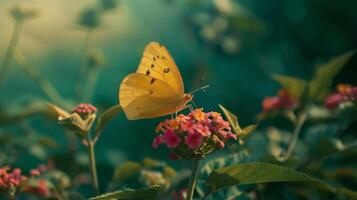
(11,179)
(283,101)
(41,189)
(195,134)
(85,108)
(344,93)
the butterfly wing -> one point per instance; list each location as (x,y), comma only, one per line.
(158,63)
(142,96)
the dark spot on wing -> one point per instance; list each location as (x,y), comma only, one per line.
(148,72)
(157,56)
(137,108)
(163,57)
(151,92)
(166,70)
(153,58)
(152,65)
(152,81)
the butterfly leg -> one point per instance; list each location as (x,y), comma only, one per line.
(191,107)
(193,103)
(176,112)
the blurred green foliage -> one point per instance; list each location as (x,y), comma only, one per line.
(80,51)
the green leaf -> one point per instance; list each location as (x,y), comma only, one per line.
(233,120)
(75,122)
(259,172)
(52,111)
(144,194)
(105,118)
(295,86)
(126,170)
(324,74)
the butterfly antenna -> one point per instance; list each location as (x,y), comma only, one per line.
(201,88)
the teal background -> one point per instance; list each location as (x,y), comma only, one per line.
(297,34)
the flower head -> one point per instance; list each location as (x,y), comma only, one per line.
(344,93)
(157,141)
(11,179)
(332,101)
(283,101)
(194,135)
(85,108)
(39,188)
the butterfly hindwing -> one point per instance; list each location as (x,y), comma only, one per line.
(149,107)
(142,96)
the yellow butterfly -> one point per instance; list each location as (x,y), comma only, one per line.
(156,88)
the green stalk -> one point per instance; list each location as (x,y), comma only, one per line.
(11,49)
(92,78)
(193,179)
(82,66)
(291,147)
(92,164)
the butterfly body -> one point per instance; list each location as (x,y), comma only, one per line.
(156,88)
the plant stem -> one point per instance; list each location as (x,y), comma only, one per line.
(82,66)
(11,49)
(193,179)
(300,122)
(91,81)
(92,164)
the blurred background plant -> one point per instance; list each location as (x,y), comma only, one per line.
(65,49)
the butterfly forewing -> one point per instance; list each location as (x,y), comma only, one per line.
(158,63)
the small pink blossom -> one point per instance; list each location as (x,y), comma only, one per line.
(203,130)
(187,127)
(271,104)
(157,141)
(333,100)
(194,140)
(172,140)
(35,172)
(344,93)
(220,144)
(231,136)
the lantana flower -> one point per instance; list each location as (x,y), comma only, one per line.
(194,135)
(283,101)
(13,181)
(345,93)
